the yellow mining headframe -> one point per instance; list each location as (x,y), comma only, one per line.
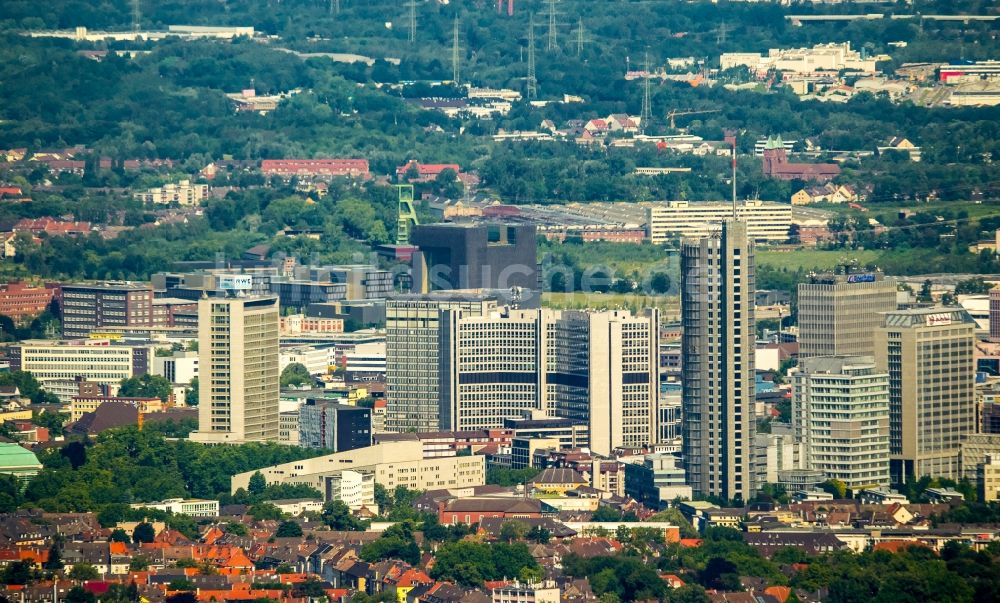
(407,214)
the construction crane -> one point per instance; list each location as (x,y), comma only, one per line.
(675,113)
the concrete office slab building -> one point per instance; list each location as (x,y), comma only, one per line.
(929,356)
(840,311)
(239,374)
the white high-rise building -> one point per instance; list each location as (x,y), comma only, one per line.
(597,368)
(239,377)
(840,413)
(717,313)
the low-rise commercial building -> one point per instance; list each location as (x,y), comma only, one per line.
(96,360)
(400,463)
(332,426)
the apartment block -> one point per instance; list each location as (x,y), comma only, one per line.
(114,304)
(697,219)
(19,300)
(840,412)
(238,366)
(928,354)
(717,314)
(839,312)
(182,193)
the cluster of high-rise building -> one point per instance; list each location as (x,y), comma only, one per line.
(882,392)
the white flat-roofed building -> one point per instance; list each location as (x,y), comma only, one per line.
(97,360)
(179,367)
(195,507)
(765,221)
(516,592)
(822,57)
(841,413)
(181,193)
(393,464)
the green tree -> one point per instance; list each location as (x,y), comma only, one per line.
(78,594)
(513,530)
(288,529)
(54,561)
(835,487)
(146,386)
(257,483)
(191,393)
(143,532)
(82,572)
(295,374)
(337,516)
(264,511)
(18,572)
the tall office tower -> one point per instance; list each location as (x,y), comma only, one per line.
(238,367)
(624,384)
(490,365)
(840,413)
(840,311)
(717,314)
(412,352)
(995,314)
(474,256)
(928,354)
(116,304)
(598,369)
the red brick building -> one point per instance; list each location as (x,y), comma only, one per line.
(316,168)
(776,165)
(425,172)
(473,510)
(19,300)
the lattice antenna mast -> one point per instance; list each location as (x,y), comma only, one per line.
(334,7)
(455,54)
(647,112)
(412,5)
(552,25)
(579,37)
(532,81)
(136,15)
